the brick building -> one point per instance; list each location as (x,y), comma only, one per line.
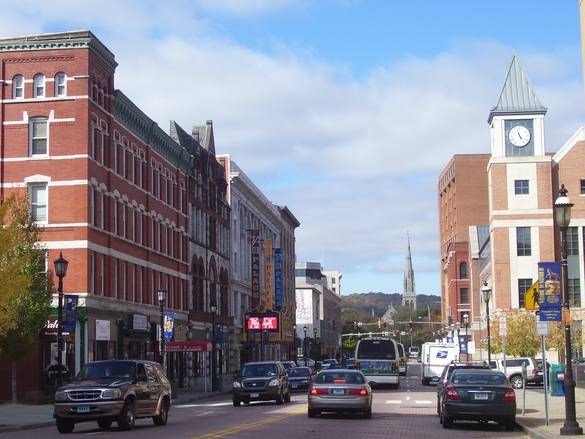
(114,193)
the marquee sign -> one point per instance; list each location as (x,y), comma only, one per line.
(263,322)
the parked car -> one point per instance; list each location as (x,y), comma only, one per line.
(478,395)
(413,352)
(261,381)
(116,390)
(448,371)
(340,391)
(513,370)
(299,378)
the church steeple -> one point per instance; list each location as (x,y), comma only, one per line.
(409,295)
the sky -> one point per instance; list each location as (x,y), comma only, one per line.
(346,111)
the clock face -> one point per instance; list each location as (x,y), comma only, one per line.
(519,136)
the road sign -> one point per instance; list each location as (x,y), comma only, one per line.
(531,297)
(541,328)
(503,326)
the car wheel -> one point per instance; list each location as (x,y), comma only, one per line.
(163,416)
(510,424)
(127,418)
(425,381)
(287,397)
(65,425)
(516,381)
(246,402)
(446,421)
(368,413)
(104,424)
(236,402)
(279,399)
(311,413)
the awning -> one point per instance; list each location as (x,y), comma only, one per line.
(189,346)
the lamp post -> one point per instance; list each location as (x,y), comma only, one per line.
(486,292)
(162,295)
(563,217)
(466,324)
(315,343)
(295,351)
(61,265)
(305,344)
(213,309)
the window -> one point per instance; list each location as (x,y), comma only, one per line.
(521,187)
(39,136)
(463,270)
(38,202)
(463,295)
(573,241)
(60,84)
(39,85)
(574,292)
(523,286)
(582,187)
(523,243)
(18,87)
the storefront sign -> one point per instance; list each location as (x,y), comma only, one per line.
(278,278)
(138,322)
(549,281)
(189,346)
(262,322)
(169,325)
(255,263)
(102,330)
(268,277)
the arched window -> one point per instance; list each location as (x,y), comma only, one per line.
(39,85)
(463,270)
(60,84)
(18,87)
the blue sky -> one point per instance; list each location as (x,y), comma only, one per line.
(344,110)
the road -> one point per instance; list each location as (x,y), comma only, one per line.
(409,412)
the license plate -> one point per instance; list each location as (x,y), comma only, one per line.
(338,392)
(254,395)
(482,396)
(83,409)
(294,386)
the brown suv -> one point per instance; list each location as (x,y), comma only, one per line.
(116,390)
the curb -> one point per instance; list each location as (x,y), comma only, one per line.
(533,432)
(210,395)
(11,428)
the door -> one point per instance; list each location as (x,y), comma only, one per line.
(141,390)
(154,389)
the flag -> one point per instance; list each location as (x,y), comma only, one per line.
(531,296)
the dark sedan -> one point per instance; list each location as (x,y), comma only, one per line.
(478,395)
(299,378)
(261,381)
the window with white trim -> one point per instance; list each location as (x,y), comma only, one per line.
(39,85)
(38,202)
(101,277)
(92,273)
(60,84)
(39,136)
(115,262)
(18,87)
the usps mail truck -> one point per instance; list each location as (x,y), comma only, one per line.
(434,357)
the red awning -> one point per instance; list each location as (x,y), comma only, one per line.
(189,346)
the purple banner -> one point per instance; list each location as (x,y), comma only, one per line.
(278,277)
(550,299)
(255,262)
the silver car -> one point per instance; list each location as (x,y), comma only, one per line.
(340,390)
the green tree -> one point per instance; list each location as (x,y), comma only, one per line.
(25,288)
(521,338)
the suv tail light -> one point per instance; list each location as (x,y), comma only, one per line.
(319,391)
(510,395)
(452,394)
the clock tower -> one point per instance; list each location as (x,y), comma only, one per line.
(520,198)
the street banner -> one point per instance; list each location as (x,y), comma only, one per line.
(69,312)
(278,278)
(532,297)
(268,276)
(255,263)
(549,280)
(463,344)
(169,325)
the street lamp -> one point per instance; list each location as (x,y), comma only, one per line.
(466,324)
(162,295)
(486,292)
(315,343)
(213,309)
(61,265)
(305,344)
(563,217)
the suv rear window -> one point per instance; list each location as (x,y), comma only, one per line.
(479,378)
(259,370)
(340,378)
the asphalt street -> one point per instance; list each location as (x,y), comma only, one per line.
(408,412)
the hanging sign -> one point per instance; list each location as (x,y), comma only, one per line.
(169,325)
(278,277)
(268,277)
(549,282)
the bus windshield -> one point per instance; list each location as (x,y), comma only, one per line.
(375,350)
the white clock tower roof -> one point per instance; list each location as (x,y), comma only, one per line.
(517,95)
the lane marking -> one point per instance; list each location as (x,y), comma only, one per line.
(242,427)
(423,402)
(393,401)
(211,404)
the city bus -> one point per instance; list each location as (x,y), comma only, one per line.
(378,358)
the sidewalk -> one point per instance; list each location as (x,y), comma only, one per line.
(14,417)
(533,421)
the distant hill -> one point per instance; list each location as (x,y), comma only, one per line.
(365,302)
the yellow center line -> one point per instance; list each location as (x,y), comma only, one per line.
(250,425)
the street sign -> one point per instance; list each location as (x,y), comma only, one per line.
(541,328)
(503,326)
(531,297)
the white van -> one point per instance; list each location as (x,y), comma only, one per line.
(434,358)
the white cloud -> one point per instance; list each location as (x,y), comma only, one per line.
(246,7)
(356,159)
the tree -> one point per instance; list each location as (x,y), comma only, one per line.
(521,338)
(25,288)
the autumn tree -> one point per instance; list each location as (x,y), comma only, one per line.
(25,288)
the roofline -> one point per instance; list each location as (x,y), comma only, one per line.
(514,113)
(286,212)
(578,136)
